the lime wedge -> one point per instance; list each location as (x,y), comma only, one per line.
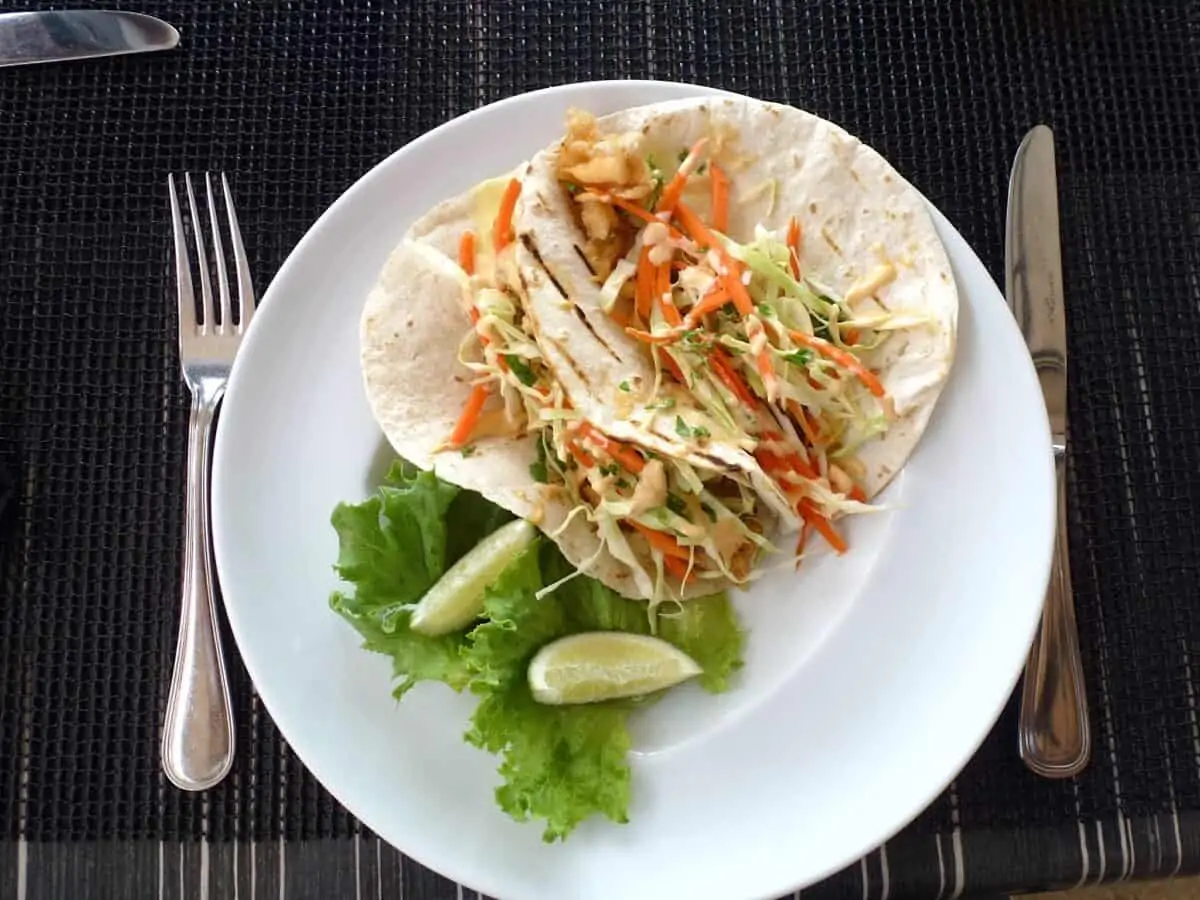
(457,598)
(605,665)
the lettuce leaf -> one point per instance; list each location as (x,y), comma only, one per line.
(557,764)
(561,764)
(392,548)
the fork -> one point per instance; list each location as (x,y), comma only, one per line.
(198,742)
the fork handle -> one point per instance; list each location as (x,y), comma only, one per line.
(1055,740)
(197,748)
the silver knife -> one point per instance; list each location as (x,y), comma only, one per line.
(41,37)
(1055,738)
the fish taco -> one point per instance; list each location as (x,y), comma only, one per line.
(670,339)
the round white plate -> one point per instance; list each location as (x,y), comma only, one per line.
(870,679)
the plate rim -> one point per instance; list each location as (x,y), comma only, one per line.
(313,234)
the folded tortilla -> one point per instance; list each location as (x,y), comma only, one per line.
(856,210)
(411,327)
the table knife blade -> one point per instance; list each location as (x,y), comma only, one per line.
(28,38)
(1055,738)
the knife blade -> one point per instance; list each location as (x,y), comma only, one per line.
(1055,739)
(27,38)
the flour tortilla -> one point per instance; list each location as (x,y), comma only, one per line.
(411,327)
(856,212)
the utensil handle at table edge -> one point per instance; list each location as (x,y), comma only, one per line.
(1055,738)
(198,742)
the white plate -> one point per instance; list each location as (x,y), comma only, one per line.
(870,680)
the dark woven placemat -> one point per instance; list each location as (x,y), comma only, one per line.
(297,99)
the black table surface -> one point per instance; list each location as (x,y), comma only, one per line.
(297,99)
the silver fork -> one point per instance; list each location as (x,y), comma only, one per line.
(198,743)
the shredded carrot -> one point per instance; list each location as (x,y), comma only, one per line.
(646,337)
(857,493)
(805,530)
(807,422)
(823,526)
(643,290)
(766,371)
(717,297)
(801,467)
(678,568)
(582,456)
(793,244)
(770,462)
(793,460)
(674,189)
(851,336)
(663,292)
(466,252)
(470,416)
(777,465)
(732,276)
(668,361)
(720,198)
(764,366)
(632,208)
(502,230)
(762,360)
(842,358)
(725,370)
(628,459)
(663,543)
(640,212)
(694,227)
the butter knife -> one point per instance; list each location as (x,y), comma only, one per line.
(1055,739)
(42,37)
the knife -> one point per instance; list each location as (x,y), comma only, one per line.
(1055,739)
(41,37)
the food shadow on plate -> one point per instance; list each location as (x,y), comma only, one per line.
(382,459)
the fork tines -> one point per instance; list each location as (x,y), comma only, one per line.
(220,316)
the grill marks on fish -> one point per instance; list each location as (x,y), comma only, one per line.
(570,361)
(562,350)
(583,258)
(582,316)
(528,242)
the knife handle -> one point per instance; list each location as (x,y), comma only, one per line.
(1053,725)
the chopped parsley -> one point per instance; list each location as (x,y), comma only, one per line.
(708,511)
(624,385)
(799,357)
(521,369)
(684,430)
(609,469)
(537,469)
(676,505)
(468,450)
(766,309)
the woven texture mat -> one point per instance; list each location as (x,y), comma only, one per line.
(297,99)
